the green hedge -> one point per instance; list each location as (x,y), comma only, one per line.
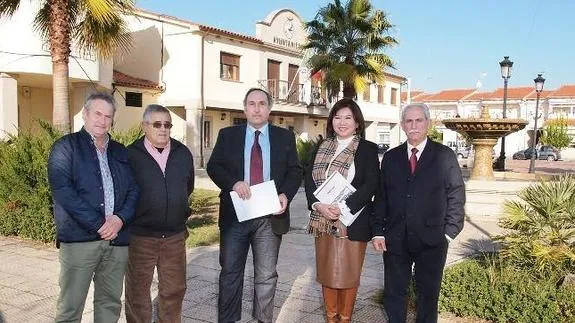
(484,289)
(25,200)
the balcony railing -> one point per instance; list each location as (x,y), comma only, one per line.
(280,90)
(318,97)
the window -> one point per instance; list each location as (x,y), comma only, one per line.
(133,99)
(207,134)
(366,93)
(379,93)
(229,67)
(393,96)
(237,121)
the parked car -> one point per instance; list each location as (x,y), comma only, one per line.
(463,152)
(544,153)
(382,148)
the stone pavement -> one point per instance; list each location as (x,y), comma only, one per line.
(29,277)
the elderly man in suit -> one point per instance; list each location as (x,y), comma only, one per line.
(419,210)
(246,155)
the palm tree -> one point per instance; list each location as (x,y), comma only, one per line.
(92,25)
(348,43)
(541,227)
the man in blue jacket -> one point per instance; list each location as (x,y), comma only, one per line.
(94,197)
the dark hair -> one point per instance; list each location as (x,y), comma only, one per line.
(357,116)
(253,89)
(151,108)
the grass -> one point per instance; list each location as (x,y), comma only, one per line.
(203,224)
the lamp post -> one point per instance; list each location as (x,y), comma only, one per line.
(506,66)
(539,81)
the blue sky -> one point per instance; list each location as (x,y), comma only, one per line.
(442,43)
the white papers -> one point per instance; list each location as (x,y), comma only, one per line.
(263,201)
(336,189)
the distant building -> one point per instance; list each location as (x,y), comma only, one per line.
(521,101)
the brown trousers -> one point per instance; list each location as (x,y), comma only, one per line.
(169,256)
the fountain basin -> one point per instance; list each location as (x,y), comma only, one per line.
(484,133)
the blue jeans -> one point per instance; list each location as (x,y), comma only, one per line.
(235,242)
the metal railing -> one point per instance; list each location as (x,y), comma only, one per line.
(279,89)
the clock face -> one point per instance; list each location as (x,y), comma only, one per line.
(289,28)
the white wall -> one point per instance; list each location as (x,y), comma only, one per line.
(8,104)
(30,54)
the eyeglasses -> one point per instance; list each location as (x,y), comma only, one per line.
(159,124)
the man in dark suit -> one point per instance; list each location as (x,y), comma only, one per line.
(246,155)
(419,210)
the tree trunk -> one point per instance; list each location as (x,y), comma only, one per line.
(349,91)
(60,51)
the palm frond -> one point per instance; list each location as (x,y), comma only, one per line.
(8,7)
(541,227)
(355,36)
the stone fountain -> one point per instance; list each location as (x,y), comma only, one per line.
(484,131)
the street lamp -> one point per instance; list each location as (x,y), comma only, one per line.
(506,66)
(539,81)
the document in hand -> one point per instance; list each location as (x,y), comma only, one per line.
(336,189)
(264,201)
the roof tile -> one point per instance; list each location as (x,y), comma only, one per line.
(131,81)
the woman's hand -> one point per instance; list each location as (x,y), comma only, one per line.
(329,212)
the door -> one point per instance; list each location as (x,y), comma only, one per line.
(273,77)
(293,83)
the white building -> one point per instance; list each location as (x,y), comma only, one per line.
(200,73)
(521,104)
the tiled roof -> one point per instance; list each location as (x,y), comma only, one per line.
(517,93)
(421,98)
(413,95)
(130,81)
(227,33)
(544,94)
(479,96)
(564,91)
(450,95)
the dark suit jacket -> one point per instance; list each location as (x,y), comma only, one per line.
(430,202)
(365,182)
(226,167)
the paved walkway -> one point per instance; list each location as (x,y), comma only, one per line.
(29,277)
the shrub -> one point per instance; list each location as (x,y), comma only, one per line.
(25,199)
(128,136)
(541,228)
(435,134)
(305,150)
(492,291)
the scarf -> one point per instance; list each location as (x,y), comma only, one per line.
(324,159)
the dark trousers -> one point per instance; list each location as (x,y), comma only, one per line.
(169,256)
(429,263)
(235,242)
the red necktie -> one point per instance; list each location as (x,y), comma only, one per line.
(256,163)
(413,159)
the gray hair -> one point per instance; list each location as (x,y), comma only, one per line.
(108,98)
(151,108)
(253,89)
(421,106)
